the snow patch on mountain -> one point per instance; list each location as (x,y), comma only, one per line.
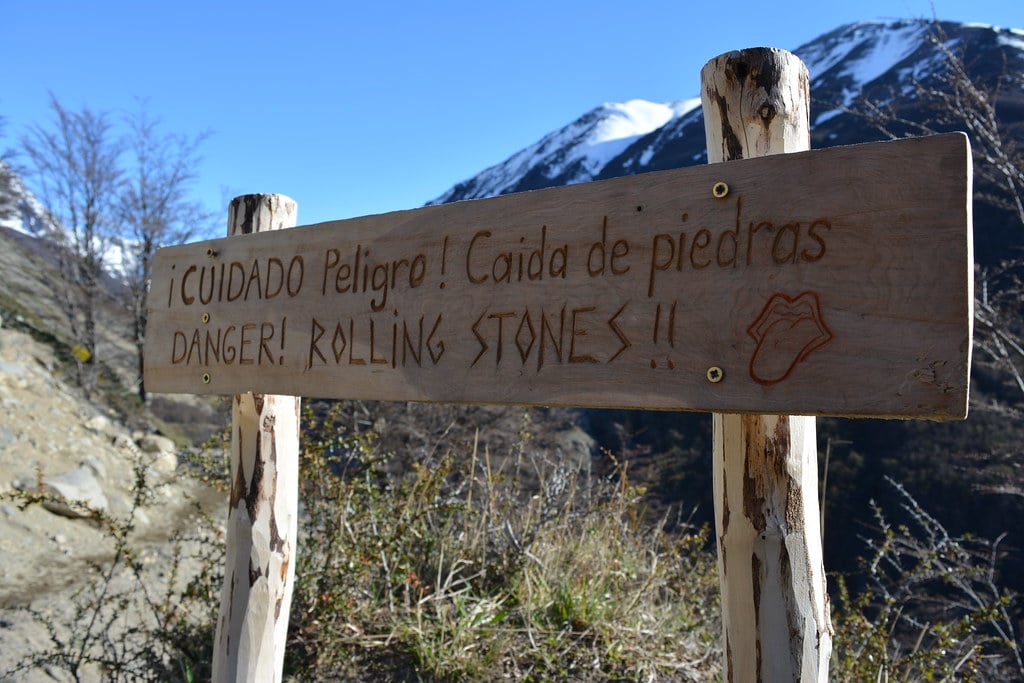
(861,53)
(683,107)
(578,152)
(1013,38)
(595,144)
(885,50)
(621,124)
(29,215)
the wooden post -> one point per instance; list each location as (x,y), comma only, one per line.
(775,609)
(263,514)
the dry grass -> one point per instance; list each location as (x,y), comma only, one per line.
(461,571)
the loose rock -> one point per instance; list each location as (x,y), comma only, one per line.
(6,437)
(166,462)
(78,493)
(99,424)
(154,443)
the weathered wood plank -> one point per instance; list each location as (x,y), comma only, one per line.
(828,282)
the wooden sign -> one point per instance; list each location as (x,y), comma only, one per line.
(836,281)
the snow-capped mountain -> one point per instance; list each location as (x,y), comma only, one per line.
(880,61)
(574,154)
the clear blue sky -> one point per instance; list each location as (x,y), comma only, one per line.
(357,107)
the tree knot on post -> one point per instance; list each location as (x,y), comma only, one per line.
(254,574)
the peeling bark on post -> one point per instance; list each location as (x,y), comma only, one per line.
(263,513)
(775,609)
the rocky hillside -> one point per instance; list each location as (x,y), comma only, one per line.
(53,441)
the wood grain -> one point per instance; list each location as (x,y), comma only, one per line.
(827,282)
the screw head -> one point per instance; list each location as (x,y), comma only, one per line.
(720,190)
(206,378)
(206,318)
(715,374)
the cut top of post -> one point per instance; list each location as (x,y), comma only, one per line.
(756,103)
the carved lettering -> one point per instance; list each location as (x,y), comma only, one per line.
(579,331)
(532,329)
(626,343)
(247,344)
(186,298)
(243,359)
(481,339)
(260,280)
(202,286)
(785,244)
(542,336)
(601,257)
(557,341)
(358,273)
(700,242)
(812,232)
(385,340)
(728,248)
(762,243)
(488,261)
(526,327)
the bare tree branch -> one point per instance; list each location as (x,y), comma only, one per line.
(155,209)
(74,161)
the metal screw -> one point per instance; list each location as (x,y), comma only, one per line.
(206,318)
(211,252)
(720,190)
(206,378)
(715,374)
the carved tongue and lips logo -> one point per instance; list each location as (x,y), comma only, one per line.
(787,331)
